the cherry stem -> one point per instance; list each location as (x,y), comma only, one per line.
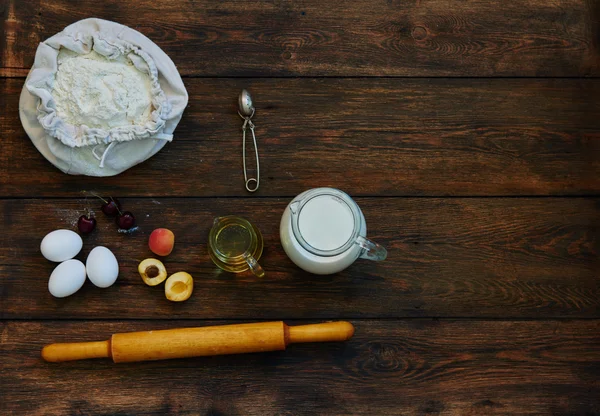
(99,197)
(116,205)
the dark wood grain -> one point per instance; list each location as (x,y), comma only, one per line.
(483,187)
(366,38)
(389,368)
(369,137)
(447,257)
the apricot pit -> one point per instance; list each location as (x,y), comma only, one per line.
(153,272)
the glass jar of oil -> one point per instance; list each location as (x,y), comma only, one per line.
(235,245)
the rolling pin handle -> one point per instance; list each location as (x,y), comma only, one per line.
(56,353)
(330,331)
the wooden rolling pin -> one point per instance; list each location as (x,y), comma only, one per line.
(197,342)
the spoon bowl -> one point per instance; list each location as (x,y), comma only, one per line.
(245,103)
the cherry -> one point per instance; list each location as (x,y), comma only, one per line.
(112,207)
(86,224)
(126,220)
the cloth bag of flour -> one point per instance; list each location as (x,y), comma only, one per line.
(94,151)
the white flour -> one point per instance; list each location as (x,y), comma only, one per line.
(97,92)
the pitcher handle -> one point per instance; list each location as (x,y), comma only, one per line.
(254,266)
(371,250)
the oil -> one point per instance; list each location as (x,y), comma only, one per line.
(235,245)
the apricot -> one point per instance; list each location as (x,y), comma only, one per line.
(161,241)
(153,272)
(179,287)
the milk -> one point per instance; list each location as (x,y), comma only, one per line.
(326,222)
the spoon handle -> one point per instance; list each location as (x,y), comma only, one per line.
(250,181)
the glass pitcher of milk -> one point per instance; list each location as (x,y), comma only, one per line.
(324,231)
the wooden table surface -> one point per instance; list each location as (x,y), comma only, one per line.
(467,131)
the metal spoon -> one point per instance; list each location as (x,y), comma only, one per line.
(245,103)
(246,112)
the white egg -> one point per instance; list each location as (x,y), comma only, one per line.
(61,245)
(67,278)
(102,267)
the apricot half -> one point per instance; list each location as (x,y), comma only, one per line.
(179,287)
(153,271)
(161,241)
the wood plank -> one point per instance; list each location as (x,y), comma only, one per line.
(369,137)
(452,257)
(388,368)
(313,38)
(13,72)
